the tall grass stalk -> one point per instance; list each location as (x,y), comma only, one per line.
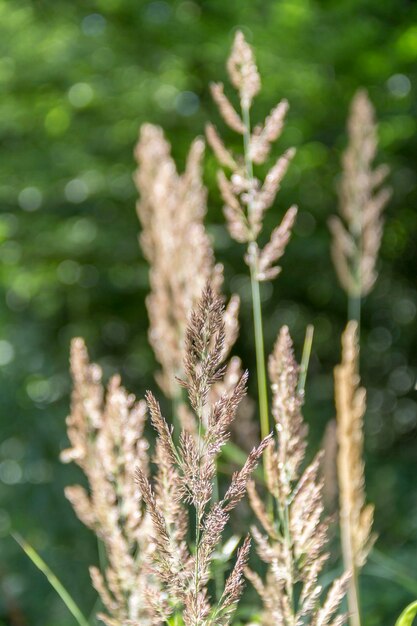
(357,234)
(260,354)
(356,516)
(256,295)
(246,198)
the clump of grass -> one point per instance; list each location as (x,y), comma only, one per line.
(161,530)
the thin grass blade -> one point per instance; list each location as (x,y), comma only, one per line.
(305,359)
(52,579)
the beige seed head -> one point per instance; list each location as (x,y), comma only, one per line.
(356,517)
(242,69)
(357,233)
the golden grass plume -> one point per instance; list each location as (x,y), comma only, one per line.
(246,198)
(356,517)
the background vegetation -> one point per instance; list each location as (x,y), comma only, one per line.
(76,81)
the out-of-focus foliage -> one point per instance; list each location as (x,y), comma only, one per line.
(76,81)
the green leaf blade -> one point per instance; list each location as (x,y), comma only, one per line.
(52,579)
(407,616)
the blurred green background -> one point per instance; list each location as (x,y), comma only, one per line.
(76,81)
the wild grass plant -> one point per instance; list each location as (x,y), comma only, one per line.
(159,506)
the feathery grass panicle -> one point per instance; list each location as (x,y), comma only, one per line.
(294,533)
(357,233)
(189,468)
(242,69)
(107,442)
(246,198)
(171,210)
(356,517)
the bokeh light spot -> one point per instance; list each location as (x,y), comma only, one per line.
(6,352)
(10,472)
(401,379)
(187,103)
(68,272)
(407,43)
(165,97)
(76,191)
(83,231)
(80,95)
(399,85)
(93,25)
(158,12)
(30,199)
(188,12)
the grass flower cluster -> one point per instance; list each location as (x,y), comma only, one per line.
(157,504)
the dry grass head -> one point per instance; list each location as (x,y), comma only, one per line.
(294,534)
(185,477)
(171,209)
(107,441)
(357,233)
(356,517)
(246,198)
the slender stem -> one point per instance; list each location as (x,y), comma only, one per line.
(288,556)
(354,308)
(353,600)
(260,358)
(353,590)
(260,354)
(198,511)
(246,141)
(353,595)
(305,359)
(256,297)
(218,572)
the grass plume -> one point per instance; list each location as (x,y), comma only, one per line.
(185,477)
(105,430)
(245,198)
(357,232)
(356,517)
(293,537)
(171,210)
